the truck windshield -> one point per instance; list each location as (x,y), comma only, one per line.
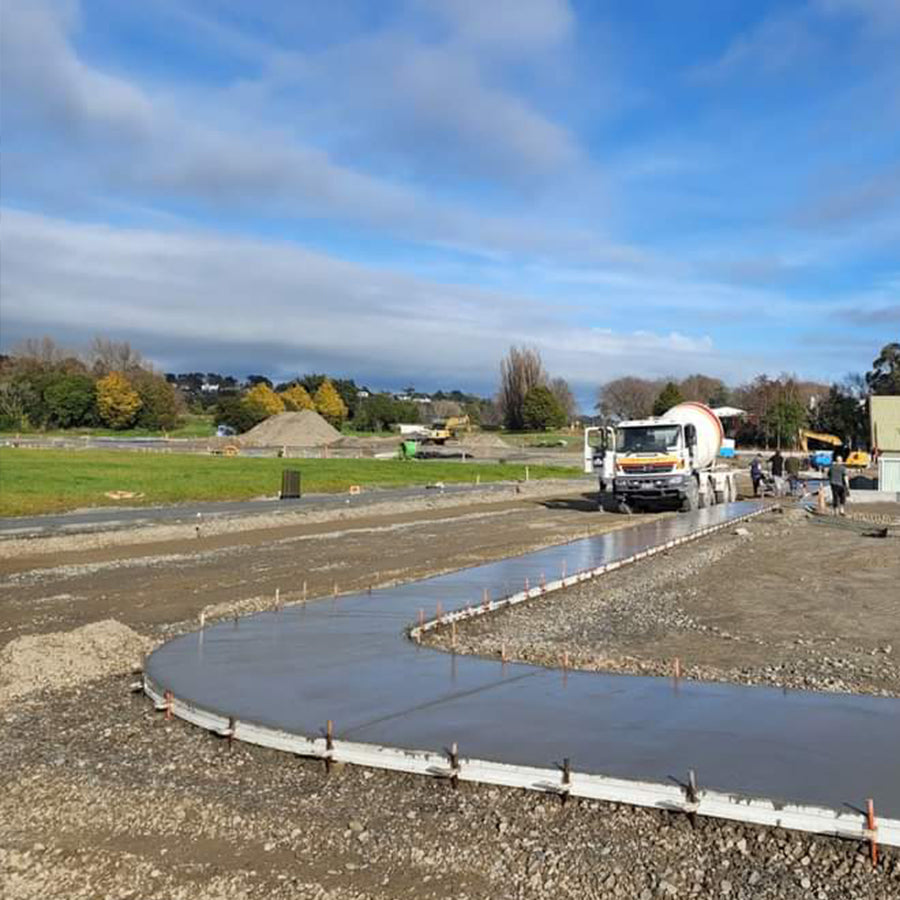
(647,439)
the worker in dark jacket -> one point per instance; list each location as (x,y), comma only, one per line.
(776,464)
(792,467)
(756,473)
(840,485)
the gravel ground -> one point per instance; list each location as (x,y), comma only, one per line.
(103,798)
(782,600)
(100,797)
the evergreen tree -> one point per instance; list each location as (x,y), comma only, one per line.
(71,400)
(541,410)
(668,397)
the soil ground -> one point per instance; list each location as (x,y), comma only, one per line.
(101,797)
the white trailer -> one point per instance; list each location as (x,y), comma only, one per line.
(670,459)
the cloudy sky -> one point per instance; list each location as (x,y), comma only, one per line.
(397,191)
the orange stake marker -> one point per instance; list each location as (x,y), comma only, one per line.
(870,817)
(677,667)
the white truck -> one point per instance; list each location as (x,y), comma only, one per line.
(670,459)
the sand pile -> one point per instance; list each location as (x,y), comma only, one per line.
(65,659)
(483,439)
(291,429)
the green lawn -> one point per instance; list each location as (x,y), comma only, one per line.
(192,426)
(42,481)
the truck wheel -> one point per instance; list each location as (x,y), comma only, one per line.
(721,496)
(690,501)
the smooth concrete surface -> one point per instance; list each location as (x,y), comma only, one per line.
(349,660)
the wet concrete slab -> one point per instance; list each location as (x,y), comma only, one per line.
(348,659)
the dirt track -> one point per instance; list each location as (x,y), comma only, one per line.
(100,797)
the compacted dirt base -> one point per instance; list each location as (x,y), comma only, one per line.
(100,797)
(784,599)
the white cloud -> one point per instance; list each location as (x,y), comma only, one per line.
(282,306)
(521,25)
(115,135)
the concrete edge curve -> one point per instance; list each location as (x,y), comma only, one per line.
(562,782)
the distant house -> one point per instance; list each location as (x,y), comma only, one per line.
(208,388)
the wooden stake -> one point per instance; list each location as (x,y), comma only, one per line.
(453,634)
(503,653)
(304,592)
(870,822)
(677,667)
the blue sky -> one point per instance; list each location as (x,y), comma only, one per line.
(397,191)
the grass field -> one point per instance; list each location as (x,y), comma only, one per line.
(43,481)
(192,426)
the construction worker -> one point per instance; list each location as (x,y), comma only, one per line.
(840,485)
(792,467)
(756,473)
(776,465)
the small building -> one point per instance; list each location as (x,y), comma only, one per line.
(884,420)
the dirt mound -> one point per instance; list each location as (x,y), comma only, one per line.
(291,429)
(484,439)
(68,658)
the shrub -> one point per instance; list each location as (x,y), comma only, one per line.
(71,401)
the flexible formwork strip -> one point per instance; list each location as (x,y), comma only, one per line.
(183,677)
(669,797)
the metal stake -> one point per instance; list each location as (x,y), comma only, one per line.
(454,765)
(329,744)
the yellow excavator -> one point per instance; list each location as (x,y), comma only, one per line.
(443,430)
(853,459)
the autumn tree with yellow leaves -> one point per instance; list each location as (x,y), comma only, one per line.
(117,401)
(265,399)
(296,397)
(329,404)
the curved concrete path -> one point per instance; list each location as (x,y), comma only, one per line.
(276,678)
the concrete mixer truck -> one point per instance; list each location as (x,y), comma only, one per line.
(665,460)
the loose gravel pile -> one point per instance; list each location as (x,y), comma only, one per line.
(101,797)
(65,659)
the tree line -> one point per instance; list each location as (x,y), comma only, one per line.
(42,385)
(776,408)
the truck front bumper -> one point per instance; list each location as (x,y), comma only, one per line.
(671,487)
